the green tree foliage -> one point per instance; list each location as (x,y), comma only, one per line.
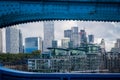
(15,58)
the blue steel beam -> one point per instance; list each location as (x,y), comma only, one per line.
(9,74)
(14,12)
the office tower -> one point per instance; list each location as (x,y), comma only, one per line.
(75,37)
(102,43)
(1,45)
(116,48)
(67,33)
(13,40)
(48,35)
(71,44)
(40,44)
(91,39)
(20,42)
(54,43)
(83,38)
(65,42)
(32,44)
(118,43)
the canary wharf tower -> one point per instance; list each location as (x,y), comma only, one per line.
(48,35)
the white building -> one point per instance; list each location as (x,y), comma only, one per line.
(13,40)
(48,35)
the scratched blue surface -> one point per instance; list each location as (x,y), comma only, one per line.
(22,11)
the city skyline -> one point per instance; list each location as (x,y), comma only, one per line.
(107,30)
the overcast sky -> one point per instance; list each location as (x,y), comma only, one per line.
(109,31)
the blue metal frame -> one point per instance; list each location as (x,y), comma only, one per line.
(14,12)
(9,74)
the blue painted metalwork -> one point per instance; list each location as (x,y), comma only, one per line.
(22,11)
(8,74)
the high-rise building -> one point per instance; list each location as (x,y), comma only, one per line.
(91,39)
(20,42)
(13,40)
(118,43)
(75,37)
(102,43)
(83,38)
(32,44)
(1,45)
(71,44)
(54,43)
(74,29)
(67,33)
(65,43)
(40,44)
(48,35)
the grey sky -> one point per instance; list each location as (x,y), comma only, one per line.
(107,30)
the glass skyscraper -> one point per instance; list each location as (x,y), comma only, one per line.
(67,33)
(54,44)
(48,35)
(83,37)
(13,40)
(91,38)
(75,37)
(32,44)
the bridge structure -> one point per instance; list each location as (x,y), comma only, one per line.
(14,12)
(8,74)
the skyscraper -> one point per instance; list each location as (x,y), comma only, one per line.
(20,42)
(67,33)
(1,45)
(118,43)
(75,37)
(32,44)
(91,38)
(48,34)
(13,40)
(102,45)
(40,44)
(54,44)
(65,42)
(83,38)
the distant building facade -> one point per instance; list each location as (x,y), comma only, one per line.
(32,44)
(48,35)
(91,39)
(20,42)
(118,43)
(13,40)
(83,37)
(116,47)
(67,33)
(54,44)
(65,42)
(75,37)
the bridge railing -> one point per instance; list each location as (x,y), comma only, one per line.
(9,74)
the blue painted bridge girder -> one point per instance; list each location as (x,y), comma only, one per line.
(22,11)
(9,74)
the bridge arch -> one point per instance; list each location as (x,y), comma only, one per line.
(18,11)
